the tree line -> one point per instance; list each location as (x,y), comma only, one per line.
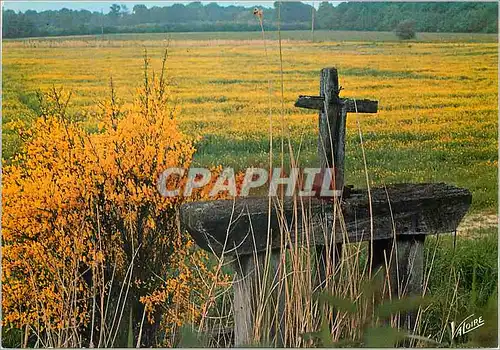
(461,17)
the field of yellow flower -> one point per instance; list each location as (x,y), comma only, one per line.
(438,105)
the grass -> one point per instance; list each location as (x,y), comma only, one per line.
(319,35)
(471,263)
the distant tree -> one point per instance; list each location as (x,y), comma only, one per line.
(123,9)
(17,25)
(325,15)
(114,10)
(294,11)
(405,30)
(140,14)
(195,10)
(139,10)
(179,13)
(214,13)
(113,15)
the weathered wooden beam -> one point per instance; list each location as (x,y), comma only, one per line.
(310,102)
(360,106)
(318,102)
(331,153)
(329,119)
(404,209)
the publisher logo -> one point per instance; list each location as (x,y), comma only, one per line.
(467,325)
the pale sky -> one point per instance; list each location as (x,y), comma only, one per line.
(19,5)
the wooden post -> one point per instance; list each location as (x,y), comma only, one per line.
(406,269)
(259,302)
(329,117)
(243,303)
(331,139)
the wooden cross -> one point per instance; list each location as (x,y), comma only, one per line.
(331,143)
(332,121)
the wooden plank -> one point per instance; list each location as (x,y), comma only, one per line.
(417,209)
(317,103)
(310,102)
(363,106)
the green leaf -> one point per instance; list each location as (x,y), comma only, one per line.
(424,339)
(406,304)
(347,343)
(340,304)
(189,338)
(324,336)
(382,337)
(374,286)
(487,335)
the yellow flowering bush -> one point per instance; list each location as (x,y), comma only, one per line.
(87,238)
